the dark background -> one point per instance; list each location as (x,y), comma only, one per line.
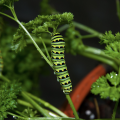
(100,15)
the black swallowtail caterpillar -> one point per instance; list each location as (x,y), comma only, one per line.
(57,55)
(1,62)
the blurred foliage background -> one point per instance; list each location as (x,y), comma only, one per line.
(28,65)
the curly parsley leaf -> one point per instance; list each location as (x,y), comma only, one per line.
(8,95)
(112,44)
(40,24)
(108,86)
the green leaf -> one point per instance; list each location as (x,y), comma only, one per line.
(112,49)
(40,24)
(114,94)
(8,95)
(18,43)
(107,38)
(102,86)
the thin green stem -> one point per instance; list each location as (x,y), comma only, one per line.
(114,110)
(99,55)
(7,16)
(87,29)
(72,106)
(39,50)
(4,78)
(88,36)
(48,105)
(46,50)
(30,106)
(82,27)
(62,28)
(101,59)
(40,109)
(16,115)
(20,113)
(118,8)
(13,12)
(22,102)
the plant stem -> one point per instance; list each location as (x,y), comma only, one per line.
(64,27)
(48,105)
(7,16)
(40,109)
(88,36)
(118,8)
(24,103)
(20,113)
(82,27)
(114,110)
(87,29)
(46,50)
(30,106)
(15,19)
(4,78)
(72,106)
(99,55)
(39,50)
(16,115)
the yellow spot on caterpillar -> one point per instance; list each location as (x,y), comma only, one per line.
(59,46)
(60,63)
(62,70)
(64,76)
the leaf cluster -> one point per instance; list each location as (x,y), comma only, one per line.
(40,24)
(26,65)
(30,112)
(112,44)
(107,86)
(73,41)
(8,95)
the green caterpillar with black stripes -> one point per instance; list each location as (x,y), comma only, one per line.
(59,65)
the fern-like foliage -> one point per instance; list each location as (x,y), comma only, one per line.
(40,24)
(8,95)
(107,86)
(112,44)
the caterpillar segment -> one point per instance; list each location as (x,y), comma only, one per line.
(59,65)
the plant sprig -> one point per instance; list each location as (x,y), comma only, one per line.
(8,95)
(112,44)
